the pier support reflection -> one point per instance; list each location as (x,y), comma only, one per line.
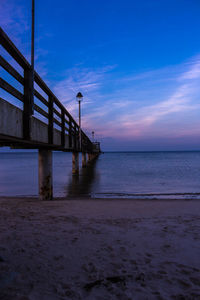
(80,185)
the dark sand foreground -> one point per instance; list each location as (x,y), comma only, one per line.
(99,249)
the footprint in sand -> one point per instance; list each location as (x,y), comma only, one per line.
(195,280)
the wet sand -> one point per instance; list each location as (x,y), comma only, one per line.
(99,249)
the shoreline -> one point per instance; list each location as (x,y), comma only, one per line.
(99,249)
(86,198)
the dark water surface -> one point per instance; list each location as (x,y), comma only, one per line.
(115,174)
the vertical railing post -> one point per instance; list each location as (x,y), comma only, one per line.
(28,104)
(63,128)
(50,120)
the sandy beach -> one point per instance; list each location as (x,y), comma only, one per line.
(99,249)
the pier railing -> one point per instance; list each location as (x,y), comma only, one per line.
(96,147)
(47,107)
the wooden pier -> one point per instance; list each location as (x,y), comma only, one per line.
(43,123)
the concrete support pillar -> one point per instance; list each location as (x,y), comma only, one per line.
(84,160)
(45,174)
(89,155)
(75,163)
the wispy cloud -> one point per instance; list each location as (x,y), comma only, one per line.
(139,104)
(130,105)
(194,70)
(89,82)
(13,19)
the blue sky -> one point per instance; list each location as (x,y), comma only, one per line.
(137,64)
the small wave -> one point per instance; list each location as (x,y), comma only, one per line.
(153,196)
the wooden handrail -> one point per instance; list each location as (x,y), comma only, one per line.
(66,122)
(12,49)
(11,90)
(11,70)
(41,98)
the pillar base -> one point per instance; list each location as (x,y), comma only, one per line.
(45,174)
(92,156)
(84,160)
(75,163)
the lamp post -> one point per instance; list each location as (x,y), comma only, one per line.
(32,55)
(79,98)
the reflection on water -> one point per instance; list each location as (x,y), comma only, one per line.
(81,185)
(112,175)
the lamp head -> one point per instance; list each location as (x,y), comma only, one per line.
(79,97)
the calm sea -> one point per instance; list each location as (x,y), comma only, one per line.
(114,174)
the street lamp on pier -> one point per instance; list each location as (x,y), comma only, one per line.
(79,98)
(32,57)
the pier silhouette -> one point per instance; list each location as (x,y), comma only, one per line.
(43,123)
